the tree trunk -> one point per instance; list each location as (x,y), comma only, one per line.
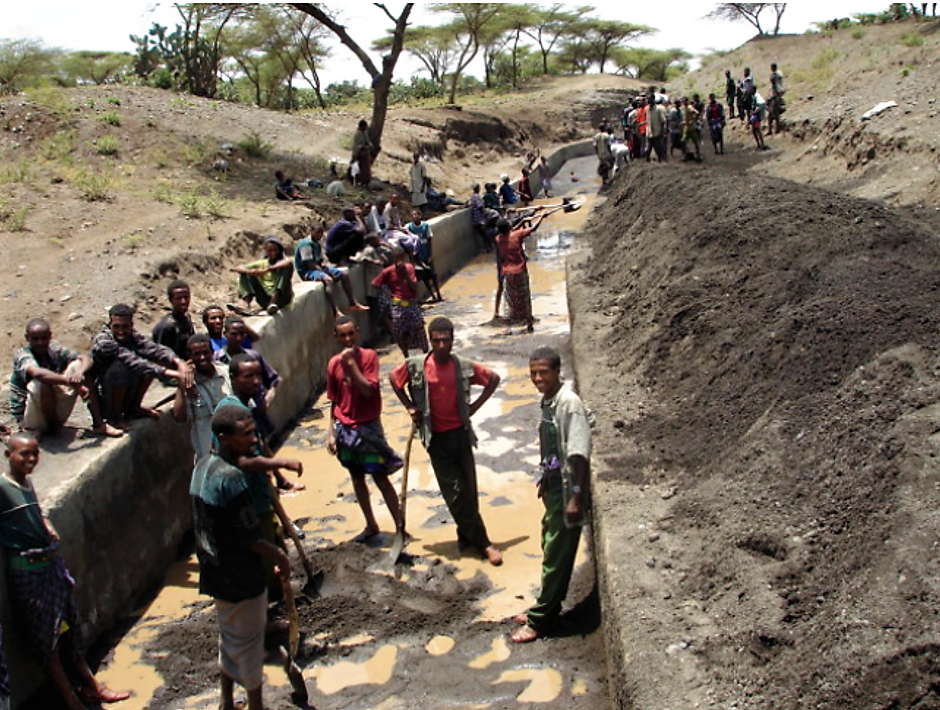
(381,82)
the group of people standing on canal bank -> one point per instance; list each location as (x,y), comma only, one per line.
(224,389)
(655,124)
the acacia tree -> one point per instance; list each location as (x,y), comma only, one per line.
(22,63)
(750,12)
(381,80)
(590,41)
(514,21)
(293,40)
(97,67)
(470,21)
(650,64)
(550,24)
(432,46)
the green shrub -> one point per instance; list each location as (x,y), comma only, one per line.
(194,153)
(912,39)
(825,58)
(107,145)
(254,146)
(51,98)
(94,186)
(114,101)
(11,219)
(59,146)
(112,118)
(858,33)
(14,172)
(216,206)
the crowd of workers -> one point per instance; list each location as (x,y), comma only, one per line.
(224,388)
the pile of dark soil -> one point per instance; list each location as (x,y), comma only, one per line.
(782,344)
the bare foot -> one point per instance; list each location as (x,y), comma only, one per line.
(291,486)
(366,535)
(105,429)
(359,307)
(522,618)
(102,694)
(145,413)
(121,424)
(524,634)
(494,556)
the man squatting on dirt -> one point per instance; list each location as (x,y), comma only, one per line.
(442,413)
(230,547)
(41,586)
(565,448)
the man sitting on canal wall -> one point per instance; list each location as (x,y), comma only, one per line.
(47,379)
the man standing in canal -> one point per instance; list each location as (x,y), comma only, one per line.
(438,401)
(230,547)
(565,448)
(356,436)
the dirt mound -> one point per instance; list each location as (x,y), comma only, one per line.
(783,340)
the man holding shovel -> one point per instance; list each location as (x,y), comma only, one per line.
(230,547)
(356,436)
(438,401)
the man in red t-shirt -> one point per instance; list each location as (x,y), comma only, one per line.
(356,436)
(407,318)
(438,400)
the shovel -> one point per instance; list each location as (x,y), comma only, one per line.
(314,579)
(398,544)
(289,654)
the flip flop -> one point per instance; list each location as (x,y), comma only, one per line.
(238,310)
(524,634)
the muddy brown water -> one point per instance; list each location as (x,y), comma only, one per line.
(434,632)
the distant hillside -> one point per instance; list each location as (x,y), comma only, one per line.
(834,77)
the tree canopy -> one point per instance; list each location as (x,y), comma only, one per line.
(751,12)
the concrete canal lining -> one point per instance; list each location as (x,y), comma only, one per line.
(122,506)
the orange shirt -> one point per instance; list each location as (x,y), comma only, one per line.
(641,119)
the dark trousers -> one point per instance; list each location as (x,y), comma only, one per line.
(452,458)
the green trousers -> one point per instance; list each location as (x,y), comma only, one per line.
(252,286)
(559,549)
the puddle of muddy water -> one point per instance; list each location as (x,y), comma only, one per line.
(365,670)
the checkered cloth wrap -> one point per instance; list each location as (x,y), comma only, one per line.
(365,448)
(408,327)
(44,600)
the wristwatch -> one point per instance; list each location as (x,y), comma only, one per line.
(576,490)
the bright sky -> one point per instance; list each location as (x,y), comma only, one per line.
(107,25)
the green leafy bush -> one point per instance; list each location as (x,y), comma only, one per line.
(254,147)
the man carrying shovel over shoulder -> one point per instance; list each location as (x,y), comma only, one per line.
(356,436)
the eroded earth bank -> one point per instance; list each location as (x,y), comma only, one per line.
(762,358)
